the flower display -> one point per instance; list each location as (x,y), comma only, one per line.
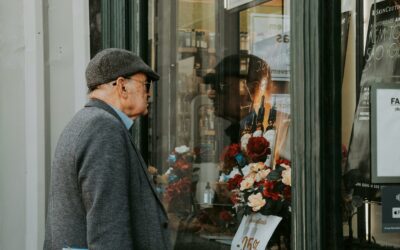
(176,184)
(254,186)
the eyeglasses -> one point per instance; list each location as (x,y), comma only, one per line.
(147,84)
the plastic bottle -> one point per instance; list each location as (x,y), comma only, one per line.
(208,194)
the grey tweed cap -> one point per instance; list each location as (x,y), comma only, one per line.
(109,64)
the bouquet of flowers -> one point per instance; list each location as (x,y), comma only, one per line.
(256,187)
(177,184)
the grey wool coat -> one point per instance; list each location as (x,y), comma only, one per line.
(101,196)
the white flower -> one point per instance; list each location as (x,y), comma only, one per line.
(244,140)
(247,183)
(261,175)
(255,167)
(256,202)
(168,171)
(182,149)
(287,176)
(257,133)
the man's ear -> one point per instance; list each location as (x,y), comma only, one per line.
(120,82)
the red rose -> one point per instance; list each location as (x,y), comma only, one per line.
(225,215)
(177,189)
(181,165)
(269,192)
(184,185)
(234,198)
(234,182)
(228,157)
(287,193)
(282,161)
(258,149)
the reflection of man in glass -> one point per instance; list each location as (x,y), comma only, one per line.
(237,87)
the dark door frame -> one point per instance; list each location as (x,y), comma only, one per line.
(316,130)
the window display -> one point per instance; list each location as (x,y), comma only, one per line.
(223,151)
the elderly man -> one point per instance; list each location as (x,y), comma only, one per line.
(101,196)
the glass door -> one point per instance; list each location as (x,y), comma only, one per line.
(370,35)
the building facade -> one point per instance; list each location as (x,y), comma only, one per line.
(263,107)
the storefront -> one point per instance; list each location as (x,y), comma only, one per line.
(255,113)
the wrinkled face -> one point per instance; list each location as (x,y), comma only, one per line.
(137,95)
(226,98)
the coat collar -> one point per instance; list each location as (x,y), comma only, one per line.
(103,105)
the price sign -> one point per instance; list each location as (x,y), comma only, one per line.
(254,232)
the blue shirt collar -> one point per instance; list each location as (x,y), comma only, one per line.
(128,122)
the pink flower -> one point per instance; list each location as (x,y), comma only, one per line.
(255,167)
(247,183)
(256,202)
(261,175)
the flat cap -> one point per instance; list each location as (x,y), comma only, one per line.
(109,64)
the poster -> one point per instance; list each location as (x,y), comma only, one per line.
(385,125)
(382,64)
(270,41)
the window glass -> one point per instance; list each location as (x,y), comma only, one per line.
(95,26)
(220,133)
(370,61)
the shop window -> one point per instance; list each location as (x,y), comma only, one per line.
(370,40)
(222,114)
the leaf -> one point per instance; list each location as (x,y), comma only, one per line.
(273,176)
(279,169)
